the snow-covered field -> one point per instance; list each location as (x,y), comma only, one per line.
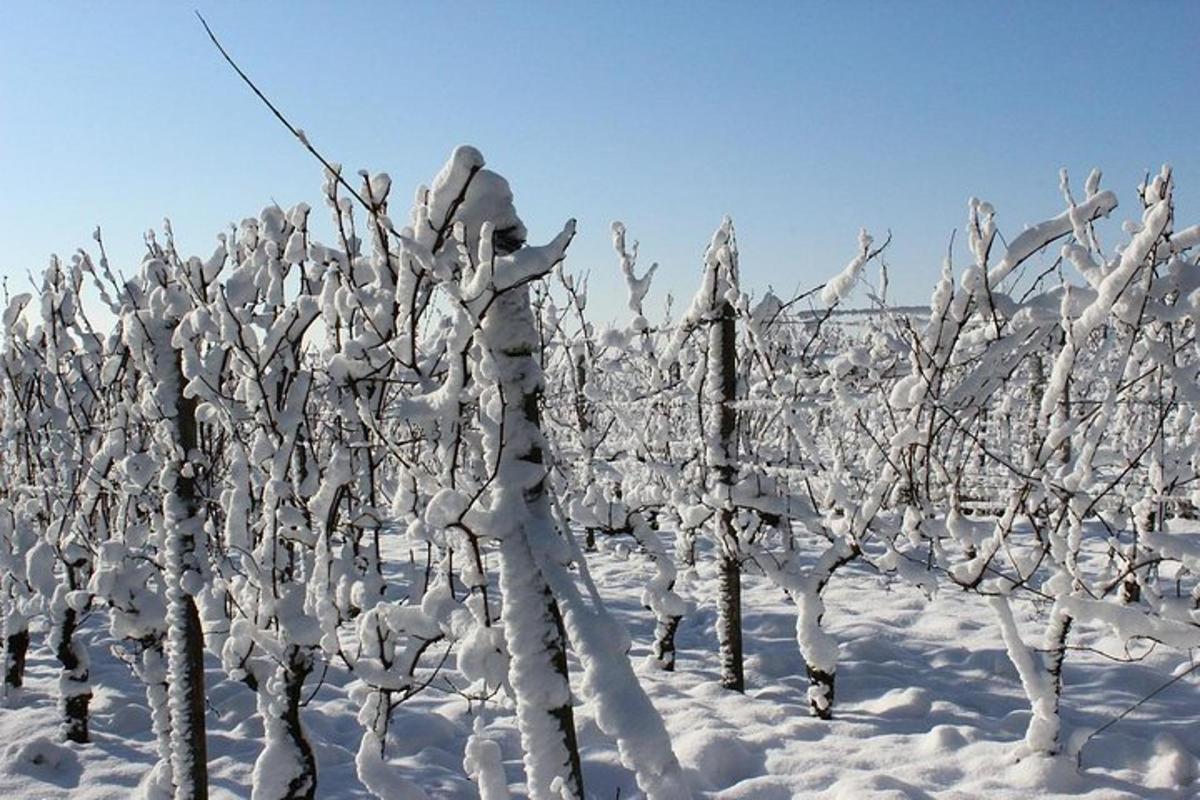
(929,706)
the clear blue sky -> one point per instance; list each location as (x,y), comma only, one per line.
(804,121)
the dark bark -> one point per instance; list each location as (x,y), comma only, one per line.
(564,714)
(729,624)
(822,682)
(15,648)
(304,786)
(1056,657)
(188,666)
(1131,590)
(664,643)
(536,498)
(729,602)
(75,701)
(195,706)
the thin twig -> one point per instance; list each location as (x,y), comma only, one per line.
(1132,708)
(298,133)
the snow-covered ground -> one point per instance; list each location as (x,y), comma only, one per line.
(928,706)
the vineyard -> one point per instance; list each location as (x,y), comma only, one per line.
(393,516)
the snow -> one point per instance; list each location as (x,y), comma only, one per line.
(484,763)
(904,654)
(839,286)
(636,288)
(1172,765)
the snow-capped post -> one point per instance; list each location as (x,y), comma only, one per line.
(543,606)
(467,239)
(244,358)
(722,264)
(151,328)
(533,623)
(185,639)
(74,684)
(482,241)
(713,386)
(723,345)
(17,535)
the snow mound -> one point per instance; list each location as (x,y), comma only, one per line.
(425,732)
(859,785)
(720,758)
(1171,766)
(943,739)
(44,759)
(129,720)
(901,703)
(39,752)
(1047,774)
(765,788)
